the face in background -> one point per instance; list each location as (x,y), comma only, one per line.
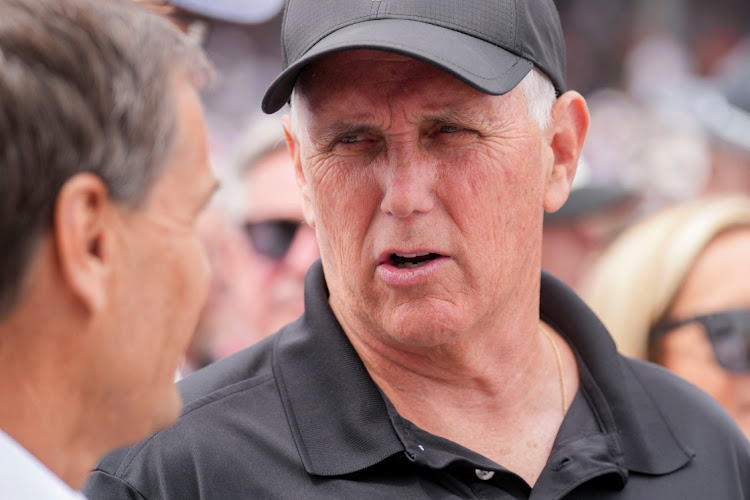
(716,283)
(571,247)
(266,291)
(160,285)
(273,195)
(426,195)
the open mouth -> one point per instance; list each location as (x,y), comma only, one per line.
(413,260)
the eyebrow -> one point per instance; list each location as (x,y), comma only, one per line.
(328,133)
(460,115)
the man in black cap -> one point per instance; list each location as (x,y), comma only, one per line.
(434,358)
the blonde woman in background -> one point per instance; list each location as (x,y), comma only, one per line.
(675,289)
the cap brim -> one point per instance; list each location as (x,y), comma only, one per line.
(480,64)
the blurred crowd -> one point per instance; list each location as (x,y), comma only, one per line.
(666,84)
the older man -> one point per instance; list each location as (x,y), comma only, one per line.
(104,170)
(432,360)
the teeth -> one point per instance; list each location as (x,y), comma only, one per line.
(410,265)
(411,255)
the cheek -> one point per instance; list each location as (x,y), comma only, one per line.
(498,196)
(184,283)
(345,199)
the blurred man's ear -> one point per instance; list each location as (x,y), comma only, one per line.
(293,144)
(570,122)
(82,238)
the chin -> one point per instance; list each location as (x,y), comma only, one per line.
(426,328)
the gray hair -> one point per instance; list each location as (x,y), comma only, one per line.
(540,96)
(85,86)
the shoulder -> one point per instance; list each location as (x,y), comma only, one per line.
(208,436)
(695,417)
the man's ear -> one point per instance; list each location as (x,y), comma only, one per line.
(293,144)
(570,122)
(82,238)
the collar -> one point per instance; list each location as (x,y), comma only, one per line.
(343,425)
(623,406)
(24,476)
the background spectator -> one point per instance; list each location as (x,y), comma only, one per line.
(259,248)
(682,262)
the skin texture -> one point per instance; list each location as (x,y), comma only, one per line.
(118,291)
(395,156)
(714,284)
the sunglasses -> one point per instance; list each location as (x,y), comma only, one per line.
(728,332)
(272,238)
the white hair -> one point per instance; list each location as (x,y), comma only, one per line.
(540,96)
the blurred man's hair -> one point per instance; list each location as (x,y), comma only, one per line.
(85,86)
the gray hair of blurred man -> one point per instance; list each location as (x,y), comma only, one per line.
(82,92)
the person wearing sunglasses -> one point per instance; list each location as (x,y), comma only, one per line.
(674,289)
(268,248)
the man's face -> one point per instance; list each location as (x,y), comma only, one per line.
(426,195)
(162,280)
(276,295)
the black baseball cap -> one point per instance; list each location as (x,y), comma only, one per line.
(488,44)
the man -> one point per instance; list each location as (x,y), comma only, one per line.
(259,249)
(725,113)
(432,361)
(576,234)
(103,154)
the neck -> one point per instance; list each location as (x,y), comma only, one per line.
(39,410)
(500,369)
(500,396)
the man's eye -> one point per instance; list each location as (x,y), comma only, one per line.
(350,139)
(450,129)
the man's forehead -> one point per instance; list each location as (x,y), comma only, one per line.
(345,71)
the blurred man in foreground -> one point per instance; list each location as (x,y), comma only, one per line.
(434,358)
(104,171)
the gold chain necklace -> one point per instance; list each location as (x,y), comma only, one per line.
(559,367)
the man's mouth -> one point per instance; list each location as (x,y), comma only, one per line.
(412,260)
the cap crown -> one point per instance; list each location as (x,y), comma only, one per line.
(528,28)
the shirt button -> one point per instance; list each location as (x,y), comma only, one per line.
(484,475)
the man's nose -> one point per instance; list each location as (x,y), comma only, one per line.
(409,182)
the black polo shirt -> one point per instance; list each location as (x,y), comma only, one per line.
(297,416)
